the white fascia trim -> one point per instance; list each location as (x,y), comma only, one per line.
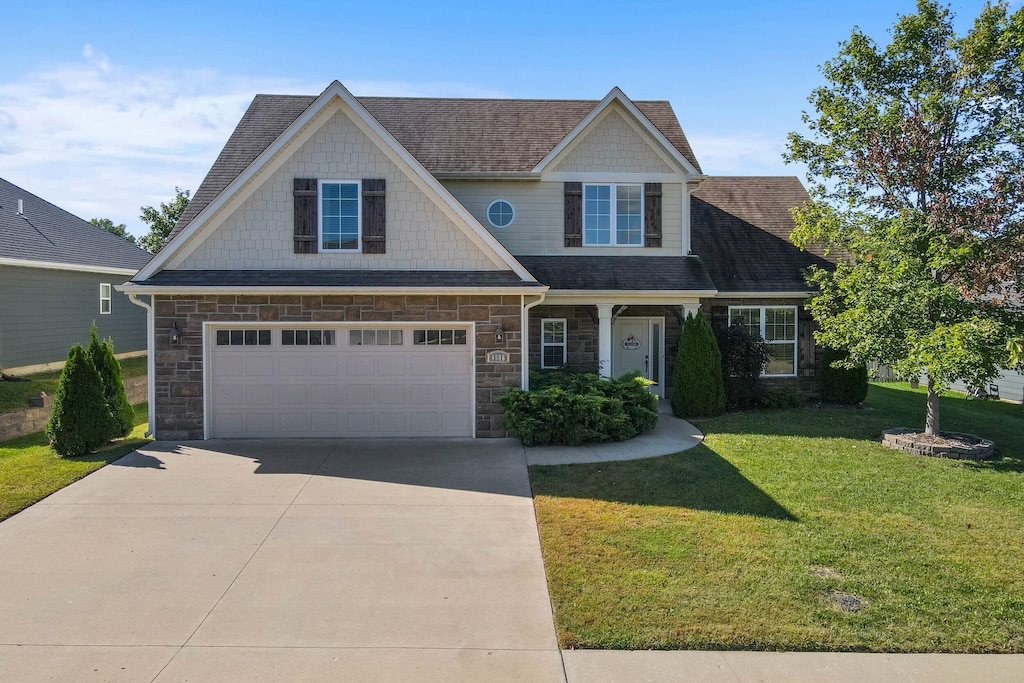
(390,146)
(487,175)
(616,95)
(52,265)
(605,177)
(130,287)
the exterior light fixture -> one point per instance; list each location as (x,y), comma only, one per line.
(499,335)
(175,334)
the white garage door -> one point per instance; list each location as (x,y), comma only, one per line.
(340,381)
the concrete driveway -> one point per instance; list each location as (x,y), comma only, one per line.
(278,560)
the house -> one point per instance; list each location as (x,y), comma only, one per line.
(57,276)
(366,266)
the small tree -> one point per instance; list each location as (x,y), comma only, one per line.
(697,387)
(122,415)
(744,358)
(917,148)
(80,421)
(161,221)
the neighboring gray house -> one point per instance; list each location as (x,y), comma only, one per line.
(57,275)
(368,266)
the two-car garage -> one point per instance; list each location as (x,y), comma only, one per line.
(331,380)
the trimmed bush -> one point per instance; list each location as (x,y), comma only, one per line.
(782,397)
(577,408)
(101,353)
(697,386)
(80,421)
(848,386)
(744,357)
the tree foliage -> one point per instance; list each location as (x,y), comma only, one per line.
(697,387)
(120,230)
(161,221)
(80,420)
(916,152)
(848,386)
(122,415)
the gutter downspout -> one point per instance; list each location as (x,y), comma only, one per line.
(150,359)
(524,327)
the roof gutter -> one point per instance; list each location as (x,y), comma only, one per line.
(487,175)
(150,361)
(53,265)
(135,288)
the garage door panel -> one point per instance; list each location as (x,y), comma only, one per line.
(393,389)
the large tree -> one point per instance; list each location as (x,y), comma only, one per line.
(120,230)
(161,221)
(918,179)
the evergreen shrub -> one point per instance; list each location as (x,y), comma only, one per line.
(697,386)
(80,421)
(848,386)
(121,412)
(744,358)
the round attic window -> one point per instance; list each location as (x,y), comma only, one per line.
(500,213)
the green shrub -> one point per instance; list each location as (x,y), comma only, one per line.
(121,412)
(80,421)
(577,408)
(744,357)
(697,386)
(848,386)
(782,397)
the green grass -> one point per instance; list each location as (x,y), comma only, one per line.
(30,470)
(15,395)
(741,542)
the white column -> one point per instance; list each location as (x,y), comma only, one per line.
(690,307)
(604,340)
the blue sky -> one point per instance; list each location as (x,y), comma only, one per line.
(107,106)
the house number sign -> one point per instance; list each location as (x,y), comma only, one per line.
(497,357)
(631,343)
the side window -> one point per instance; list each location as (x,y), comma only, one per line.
(339,216)
(552,342)
(104,298)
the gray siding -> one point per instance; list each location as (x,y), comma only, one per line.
(539,223)
(1010,383)
(44,312)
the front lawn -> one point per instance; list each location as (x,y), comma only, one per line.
(30,470)
(755,539)
(15,395)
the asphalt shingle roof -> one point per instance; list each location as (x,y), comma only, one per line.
(444,134)
(336,278)
(740,228)
(647,273)
(49,233)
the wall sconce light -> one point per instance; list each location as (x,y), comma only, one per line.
(175,334)
(499,335)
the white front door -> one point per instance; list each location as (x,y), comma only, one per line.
(638,345)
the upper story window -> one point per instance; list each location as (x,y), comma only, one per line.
(104,298)
(339,216)
(500,213)
(613,215)
(777,326)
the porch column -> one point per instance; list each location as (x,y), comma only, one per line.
(604,340)
(690,307)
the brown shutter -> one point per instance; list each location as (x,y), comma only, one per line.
(374,217)
(574,214)
(305,196)
(652,214)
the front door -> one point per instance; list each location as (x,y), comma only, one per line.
(638,345)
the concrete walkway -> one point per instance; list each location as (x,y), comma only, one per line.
(339,560)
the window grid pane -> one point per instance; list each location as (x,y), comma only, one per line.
(340,216)
(553,343)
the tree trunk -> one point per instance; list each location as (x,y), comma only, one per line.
(931,424)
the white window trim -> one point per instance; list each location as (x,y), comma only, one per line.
(512,220)
(614,214)
(796,335)
(107,298)
(564,343)
(320,214)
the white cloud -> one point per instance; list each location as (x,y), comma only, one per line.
(741,154)
(100,139)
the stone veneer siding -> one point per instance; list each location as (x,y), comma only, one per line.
(179,369)
(581,334)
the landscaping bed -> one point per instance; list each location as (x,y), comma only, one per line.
(795,530)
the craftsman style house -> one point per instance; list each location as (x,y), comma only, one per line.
(367,266)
